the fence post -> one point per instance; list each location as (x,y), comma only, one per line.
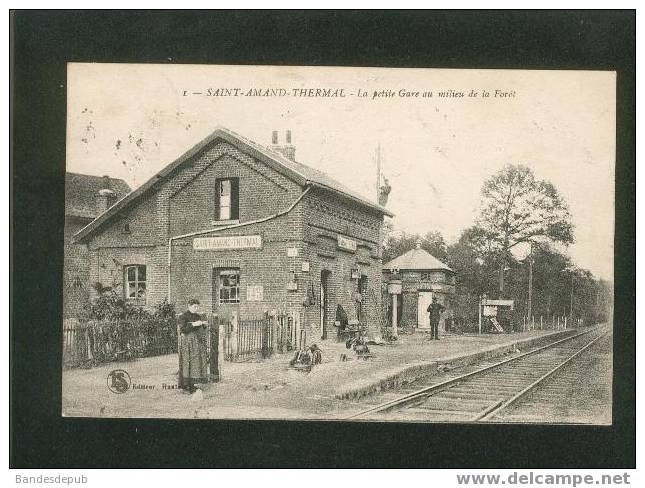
(221,333)
(234,333)
(274,332)
(266,328)
(296,331)
(180,377)
(88,344)
(215,346)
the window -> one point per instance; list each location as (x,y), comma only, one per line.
(135,282)
(227,199)
(229,286)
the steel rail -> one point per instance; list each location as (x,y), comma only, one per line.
(436,388)
(498,407)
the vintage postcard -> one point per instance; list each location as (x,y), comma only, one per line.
(327,243)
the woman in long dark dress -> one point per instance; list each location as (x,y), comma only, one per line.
(192,348)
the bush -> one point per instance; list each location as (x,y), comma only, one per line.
(117,330)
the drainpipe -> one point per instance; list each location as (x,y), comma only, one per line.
(234,226)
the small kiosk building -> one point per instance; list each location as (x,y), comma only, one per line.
(413,279)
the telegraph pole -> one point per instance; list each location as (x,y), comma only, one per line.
(530,304)
(571,305)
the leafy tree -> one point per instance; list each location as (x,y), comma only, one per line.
(475,265)
(517,208)
(555,281)
(433,242)
(472,261)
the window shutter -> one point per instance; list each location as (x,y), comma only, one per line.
(235,198)
(217,191)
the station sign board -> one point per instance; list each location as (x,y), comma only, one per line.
(346,243)
(394,288)
(498,303)
(227,242)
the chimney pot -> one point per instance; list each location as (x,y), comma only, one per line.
(104,200)
(105,182)
(286,149)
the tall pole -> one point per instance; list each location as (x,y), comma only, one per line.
(571,305)
(530,304)
(395,315)
(501,278)
(378,172)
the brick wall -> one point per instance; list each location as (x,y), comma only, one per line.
(76,285)
(144,228)
(107,267)
(414,281)
(192,270)
(182,204)
(262,193)
(326,217)
(185,202)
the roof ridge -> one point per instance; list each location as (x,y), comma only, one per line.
(91,176)
(294,170)
(406,261)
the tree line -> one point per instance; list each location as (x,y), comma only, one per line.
(517,212)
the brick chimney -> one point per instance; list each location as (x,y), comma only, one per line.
(287,149)
(105,197)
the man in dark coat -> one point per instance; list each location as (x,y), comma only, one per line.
(341,318)
(435,309)
(193,358)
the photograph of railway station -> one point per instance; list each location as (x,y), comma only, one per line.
(422,246)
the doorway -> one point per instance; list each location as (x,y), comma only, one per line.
(324,284)
(424,301)
(362,291)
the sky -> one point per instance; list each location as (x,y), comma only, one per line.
(130,120)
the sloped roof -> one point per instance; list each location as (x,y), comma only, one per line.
(417,259)
(298,172)
(81,192)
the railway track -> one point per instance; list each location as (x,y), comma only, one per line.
(483,394)
(580,392)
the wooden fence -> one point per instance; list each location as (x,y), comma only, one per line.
(87,343)
(260,337)
(93,342)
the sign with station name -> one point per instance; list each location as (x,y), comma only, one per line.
(227,242)
(346,243)
(498,303)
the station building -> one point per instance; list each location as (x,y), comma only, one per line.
(243,228)
(413,279)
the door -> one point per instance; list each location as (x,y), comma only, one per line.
(362,290)
(423,317)
(324,278)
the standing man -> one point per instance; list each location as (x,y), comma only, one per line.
(435,309)
(193,358)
